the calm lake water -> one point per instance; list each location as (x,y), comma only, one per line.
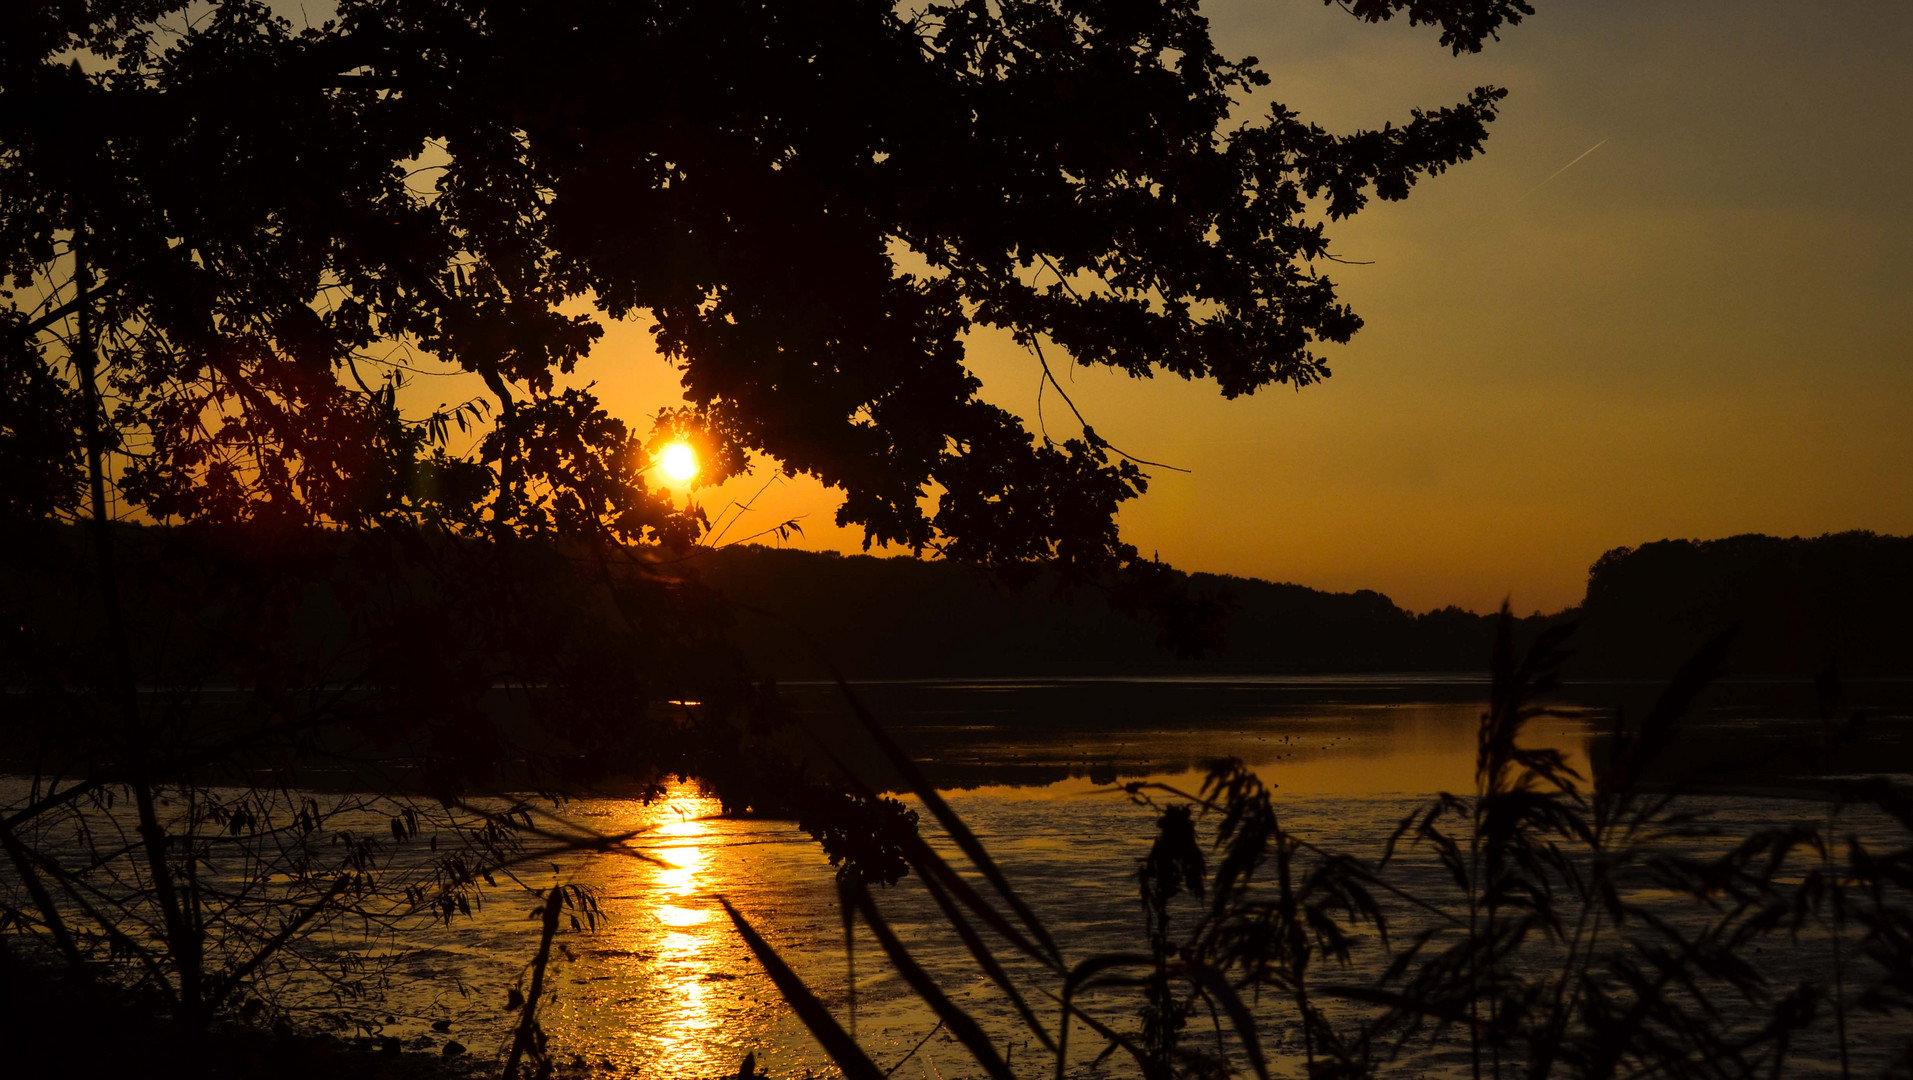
(664,986)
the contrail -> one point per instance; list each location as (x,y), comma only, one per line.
(1563,169)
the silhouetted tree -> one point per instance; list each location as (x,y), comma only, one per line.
(812,204)
(227,241)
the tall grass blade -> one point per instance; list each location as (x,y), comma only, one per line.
(952,824)
(1109,1035)
(986,960)
(927,863)
(961,1024)
(1218,987)
(1082,973)
(925,860)
(824,1027)
(1700,670)
(1405,1004)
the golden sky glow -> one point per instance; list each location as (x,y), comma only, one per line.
(1699,329)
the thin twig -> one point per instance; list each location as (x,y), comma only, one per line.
(914,1049)
(1036,346)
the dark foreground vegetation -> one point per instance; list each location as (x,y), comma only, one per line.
(54,1023)
(1543,924)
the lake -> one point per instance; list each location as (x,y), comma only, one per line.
(665,987)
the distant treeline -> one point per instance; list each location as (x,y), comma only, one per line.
(902,617)
(1798,604)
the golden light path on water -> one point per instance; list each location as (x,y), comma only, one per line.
(685,919)
(664,986)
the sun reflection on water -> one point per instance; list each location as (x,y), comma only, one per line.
(679,904)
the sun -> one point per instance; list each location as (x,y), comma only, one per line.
(678,462)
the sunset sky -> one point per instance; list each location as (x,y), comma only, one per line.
(1699,329)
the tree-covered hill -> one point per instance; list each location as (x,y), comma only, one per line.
(1798,603)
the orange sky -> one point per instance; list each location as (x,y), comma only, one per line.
(1700,329)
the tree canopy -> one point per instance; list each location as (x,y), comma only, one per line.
(810,203)
(227,242)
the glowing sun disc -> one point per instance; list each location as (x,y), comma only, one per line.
(678,462)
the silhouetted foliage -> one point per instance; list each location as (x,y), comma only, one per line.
(812,203)
(41,464)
